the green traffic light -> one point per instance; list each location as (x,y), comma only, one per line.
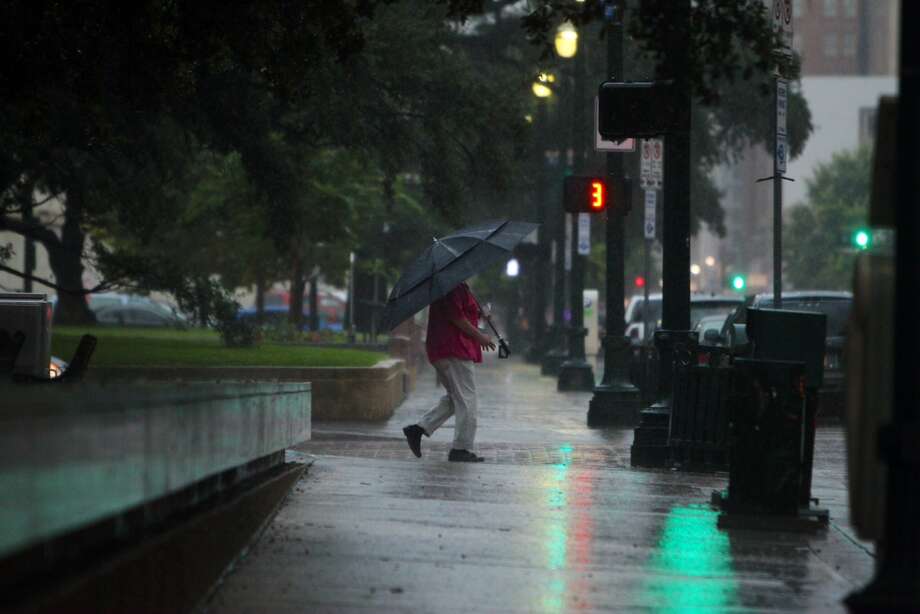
(738,283)
(862,239)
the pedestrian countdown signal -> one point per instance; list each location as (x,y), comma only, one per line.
(584,194)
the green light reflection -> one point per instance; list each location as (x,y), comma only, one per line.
(556,531)
(691,570)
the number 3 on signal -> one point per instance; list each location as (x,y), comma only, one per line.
(597,195)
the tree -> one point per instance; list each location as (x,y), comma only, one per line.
(817,236)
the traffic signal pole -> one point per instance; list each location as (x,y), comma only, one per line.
(615,399)
(651,436)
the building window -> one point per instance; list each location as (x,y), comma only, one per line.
(849,45)
(849,8)
(830,45)
(830,8)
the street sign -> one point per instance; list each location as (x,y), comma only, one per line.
(651,202)
(601,144)
(584,234)
(782,91)
(782,151)
(782,22)
(651,164)
(568,242)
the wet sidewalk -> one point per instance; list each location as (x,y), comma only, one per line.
(555,520)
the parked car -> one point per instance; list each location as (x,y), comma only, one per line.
(277,315)
(836,306)
(709,329)
(701,306)
(140,314)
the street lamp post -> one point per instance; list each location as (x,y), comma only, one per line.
(615,399)
(542,89)
(566,44)
(575,373)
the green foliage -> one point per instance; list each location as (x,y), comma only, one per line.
(817,248)
(198,348)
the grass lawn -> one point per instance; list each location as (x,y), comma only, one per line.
(197,347)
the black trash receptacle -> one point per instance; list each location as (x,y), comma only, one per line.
(784,334)
(767,455)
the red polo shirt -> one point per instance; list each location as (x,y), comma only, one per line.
(444,340)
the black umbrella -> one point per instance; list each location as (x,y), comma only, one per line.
(447,262)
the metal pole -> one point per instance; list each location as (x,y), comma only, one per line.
(541,265)
(651,436)
(351,297)
(575,373)
(777,209)
(615,399)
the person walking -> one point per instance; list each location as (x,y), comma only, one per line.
(454,344)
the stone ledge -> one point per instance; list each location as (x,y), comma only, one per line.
(339,393)
(75,454)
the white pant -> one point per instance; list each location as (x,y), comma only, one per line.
(457,377)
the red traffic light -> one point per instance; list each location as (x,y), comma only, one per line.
(639,281)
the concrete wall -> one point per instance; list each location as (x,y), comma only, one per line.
(338,393)
(72,455)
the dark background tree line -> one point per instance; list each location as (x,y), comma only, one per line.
(199,146)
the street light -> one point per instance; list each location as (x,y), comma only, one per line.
(541,87)
(710,261)
(566,40)
(512,268)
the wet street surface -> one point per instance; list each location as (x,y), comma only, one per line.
(554,520)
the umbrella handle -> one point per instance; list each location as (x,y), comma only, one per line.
(503,350)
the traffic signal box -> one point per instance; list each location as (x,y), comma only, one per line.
(629,109)
(594,194)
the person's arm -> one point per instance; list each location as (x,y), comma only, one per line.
(484,341)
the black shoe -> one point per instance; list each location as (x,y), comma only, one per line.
(464,456)
(413,435)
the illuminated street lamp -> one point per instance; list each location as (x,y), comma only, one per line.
(541,87)
(566,40)
(710,261)
(512,268)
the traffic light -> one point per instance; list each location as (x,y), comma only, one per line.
(594,194)
(862,239)
(738,282)
(639,281)
(640,109)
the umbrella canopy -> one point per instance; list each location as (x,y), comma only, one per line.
(447,262)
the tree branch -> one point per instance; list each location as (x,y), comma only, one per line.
(37,232)
(45,282)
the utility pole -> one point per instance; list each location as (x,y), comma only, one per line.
(575,373)
(615,398)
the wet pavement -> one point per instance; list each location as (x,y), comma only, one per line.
(555,520)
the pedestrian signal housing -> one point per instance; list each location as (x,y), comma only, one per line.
(627,109)
(595,194)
